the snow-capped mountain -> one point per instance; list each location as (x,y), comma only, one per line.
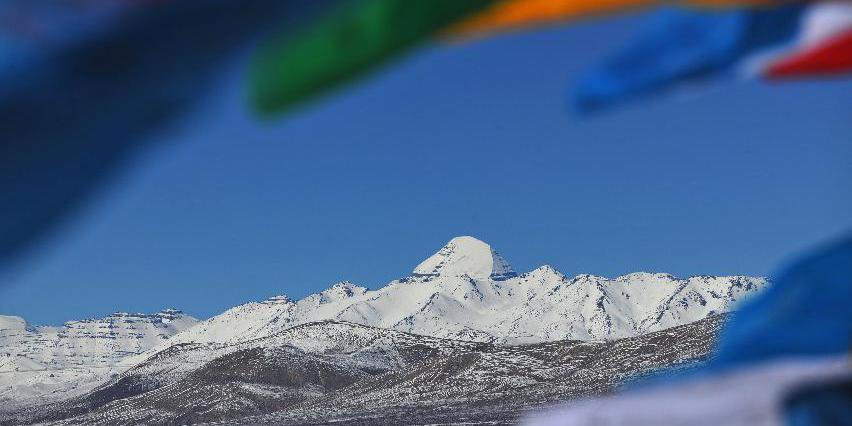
(74,357)
(467,291)
(462,318)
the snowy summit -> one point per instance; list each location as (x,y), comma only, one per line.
(465,256)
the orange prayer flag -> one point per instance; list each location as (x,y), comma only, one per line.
(511,15)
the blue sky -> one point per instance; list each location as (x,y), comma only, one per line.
(470,139)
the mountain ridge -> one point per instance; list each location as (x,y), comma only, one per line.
(468,291)
(465,292)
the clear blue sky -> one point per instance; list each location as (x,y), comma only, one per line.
(469,139)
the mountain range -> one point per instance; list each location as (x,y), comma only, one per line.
(467,291)
(463,318)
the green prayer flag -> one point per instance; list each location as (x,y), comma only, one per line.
(345,43)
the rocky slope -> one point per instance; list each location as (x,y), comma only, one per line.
(325,372)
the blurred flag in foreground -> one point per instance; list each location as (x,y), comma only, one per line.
(823,45)
(361,36)
(345,44)
(679,45)
(509,15)
(85,84)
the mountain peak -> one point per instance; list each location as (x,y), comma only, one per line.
(465,256)
(341,290)
(544,272)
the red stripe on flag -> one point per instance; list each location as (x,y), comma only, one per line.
(831,57)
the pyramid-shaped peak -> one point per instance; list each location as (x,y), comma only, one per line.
(465,256)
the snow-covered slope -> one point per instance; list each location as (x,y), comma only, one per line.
(467,291)
(40,362)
